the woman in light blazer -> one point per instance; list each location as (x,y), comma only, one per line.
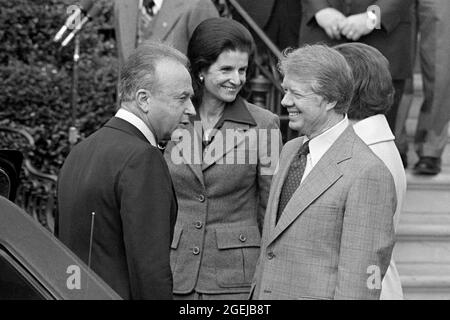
(373,96)
(221,164)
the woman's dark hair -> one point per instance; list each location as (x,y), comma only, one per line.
(211,38)
(374,91)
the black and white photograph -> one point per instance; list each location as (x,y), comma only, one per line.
(241,152)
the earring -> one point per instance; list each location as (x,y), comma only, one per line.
(201,78)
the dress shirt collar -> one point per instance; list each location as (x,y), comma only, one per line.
(138,123)
(374,129)
(320,144)
(235,111)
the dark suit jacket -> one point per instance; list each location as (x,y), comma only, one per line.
(393,39)
(173,24)
(279,19)
(117,174)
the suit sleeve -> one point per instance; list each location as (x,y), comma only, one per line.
(392,12)
(202,10)
(367,237)
(311,7)
(269,148)
(146,200)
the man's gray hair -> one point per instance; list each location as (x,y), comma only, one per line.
(329,70)
(138,72)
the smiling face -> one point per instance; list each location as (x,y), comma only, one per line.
(309,113)
(225,78)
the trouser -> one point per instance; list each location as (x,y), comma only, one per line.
(433,26)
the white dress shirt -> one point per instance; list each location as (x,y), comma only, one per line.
(138,123)
(320,144)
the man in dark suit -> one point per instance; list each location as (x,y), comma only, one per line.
(119,174)
(388,29)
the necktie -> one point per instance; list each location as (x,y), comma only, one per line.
(293,178)
(148,5)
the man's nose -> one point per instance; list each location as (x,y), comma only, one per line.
(286,101)
(190,110)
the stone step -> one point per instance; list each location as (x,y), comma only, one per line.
(428,194)
(422,254)
(425,281)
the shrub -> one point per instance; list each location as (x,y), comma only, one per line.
(36,75)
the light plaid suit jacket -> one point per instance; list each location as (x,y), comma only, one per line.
(335,237)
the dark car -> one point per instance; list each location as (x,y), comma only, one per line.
(34,264)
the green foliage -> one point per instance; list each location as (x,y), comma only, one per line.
(36,75)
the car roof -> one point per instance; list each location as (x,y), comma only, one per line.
(46,258)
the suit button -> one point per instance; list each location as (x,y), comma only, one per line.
(270,255)
(198,224)
(242,238)
(201,198)
(196,250)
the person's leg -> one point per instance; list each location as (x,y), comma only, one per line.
(399,86)
(432,127)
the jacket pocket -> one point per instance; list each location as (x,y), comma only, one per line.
(176,237)
(173,247)
(238,252)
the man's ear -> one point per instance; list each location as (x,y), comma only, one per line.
(329,105)
(142,96)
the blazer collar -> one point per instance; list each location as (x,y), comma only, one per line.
(122,125)
(237,119)
(189,147)
(374,129)
(324,174)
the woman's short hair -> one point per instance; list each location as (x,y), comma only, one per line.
(212,37)
(328,68)
(374,90)
(138,71)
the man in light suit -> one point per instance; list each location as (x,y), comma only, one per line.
(328,231)
(169,21)
(119,174)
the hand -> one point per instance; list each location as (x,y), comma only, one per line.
(329,20)
(355,26)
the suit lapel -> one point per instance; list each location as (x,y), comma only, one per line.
(168,16)
(190,149)
(219,147)
(324,174)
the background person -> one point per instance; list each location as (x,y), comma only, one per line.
(371,100)
(431,136)
(169,21)
(338,21)
(119,173)
(221,202)
(328,230)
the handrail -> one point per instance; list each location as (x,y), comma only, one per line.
(241,11)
